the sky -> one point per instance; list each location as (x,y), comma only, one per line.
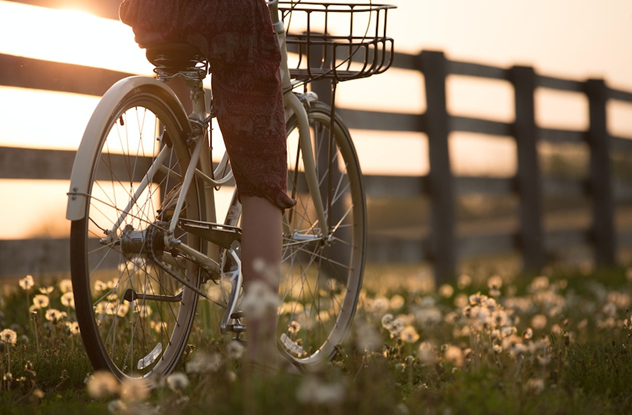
(575,39)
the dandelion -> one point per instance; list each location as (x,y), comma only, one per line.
(47,290)
(177,381)
(8,336)
(454,355)
(100,285)
(260,300)
(65,285)
(367,337)
(528,334)
(41,301)
(68,300)
(135,390)
(446,291)
(315,391)
(538,321)
(409,335)
(387,320)
(54,315)
(204,363)
(294,327)
(397,302)
(427,353)
(464,281)
(102,385)
(73,327)
(535,386)
(235,350)
(27,282)
(495,282)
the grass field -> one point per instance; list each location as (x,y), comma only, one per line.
(490,343)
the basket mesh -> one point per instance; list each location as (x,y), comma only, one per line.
(339,41)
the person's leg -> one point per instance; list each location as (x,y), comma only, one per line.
(261,259)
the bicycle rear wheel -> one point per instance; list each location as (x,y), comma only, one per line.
(134,312)
(321,272)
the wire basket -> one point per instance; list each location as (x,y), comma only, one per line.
(336,41)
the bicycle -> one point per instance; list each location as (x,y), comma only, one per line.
(145,241)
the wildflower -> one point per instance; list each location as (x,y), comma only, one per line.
(135,390)
(47,290)
(538,321)
(409,335)
(235,350)
(177,381)
(68,300)
(294,327)
(535,386)
(464,281)
(387,320)
(26,283)
(8,336)
(204,363)
(446,291)
(65,285)
(41,301)
(454,355)
(102,384)
(73,327)
(367,337)
(427,353)
(316,391)
(54,315)
(397,302)
(260,300)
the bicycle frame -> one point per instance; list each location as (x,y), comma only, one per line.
(196,125)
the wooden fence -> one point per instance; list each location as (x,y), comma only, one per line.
(441,246)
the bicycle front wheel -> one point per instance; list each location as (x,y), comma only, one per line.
(135,301)
(321,270)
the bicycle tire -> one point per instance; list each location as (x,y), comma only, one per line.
(321,274)
(124,330)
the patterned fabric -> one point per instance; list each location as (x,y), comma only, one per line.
(242,48)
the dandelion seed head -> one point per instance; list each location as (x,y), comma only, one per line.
(409,335)
(367,338)
(27,282)
(396,302)
(9,337)
(464,281)
(54,315)
(41,301)
(68,300)
(260,300)
(65,285)
(446,291)
(47,290)
(204,363)
(539,321)
(135,390)
(235,350)
(454,355)
(427,353)
(102,384)
(495,282)
(294,327)
(177,381)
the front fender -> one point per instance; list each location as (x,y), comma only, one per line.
(93,137)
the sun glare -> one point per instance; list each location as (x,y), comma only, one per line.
(69,36)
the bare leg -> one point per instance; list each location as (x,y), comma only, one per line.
(261,242)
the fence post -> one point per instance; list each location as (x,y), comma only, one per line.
(603,233)
(528,177)
(433,64)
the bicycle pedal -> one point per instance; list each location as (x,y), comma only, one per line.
(237,315)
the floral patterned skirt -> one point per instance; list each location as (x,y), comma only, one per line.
(243,52)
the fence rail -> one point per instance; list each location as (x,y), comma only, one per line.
(442,246)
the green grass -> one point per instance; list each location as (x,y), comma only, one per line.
(557,343)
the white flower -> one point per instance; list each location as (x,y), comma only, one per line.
(177,381)
(8,336)
(235,350)
(68,300)
(259,300)
(65,285)
(316,391)
(26,283)
(135,390)
(409,335)
(102,384)
(41,301)
(204,363)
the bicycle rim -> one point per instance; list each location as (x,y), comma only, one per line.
(321,274)
(134,313)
